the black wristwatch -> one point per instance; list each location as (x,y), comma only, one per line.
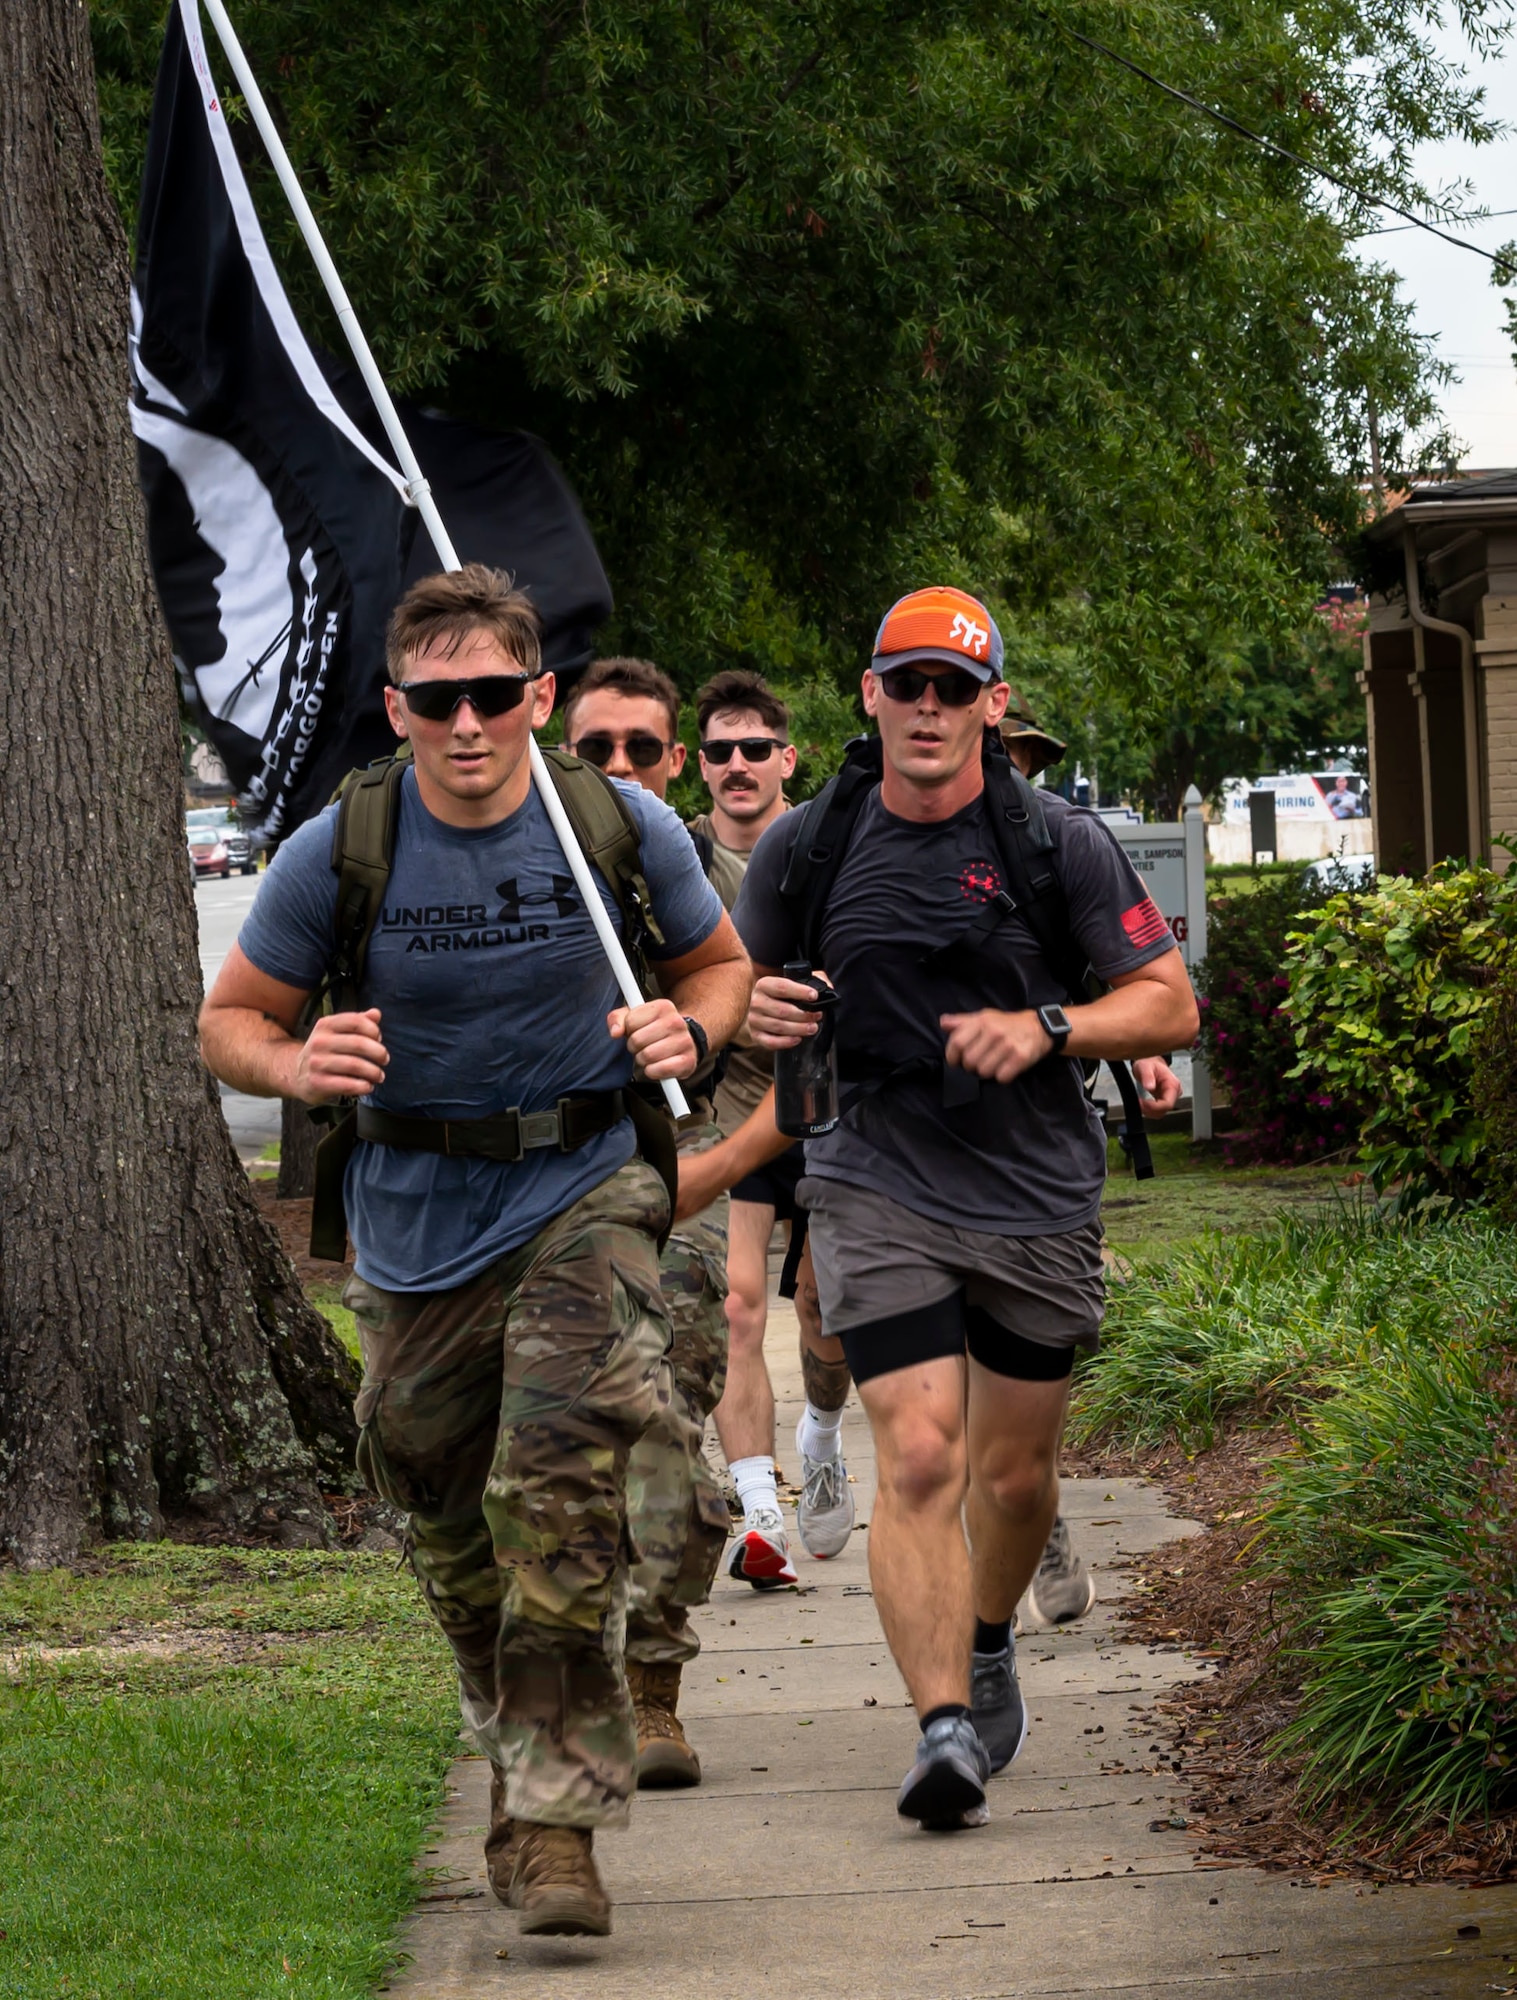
(700,1038)
(1058,1024)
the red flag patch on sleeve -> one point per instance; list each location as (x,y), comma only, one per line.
(1144,924)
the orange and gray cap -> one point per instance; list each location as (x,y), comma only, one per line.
(1018,726)
(940,624)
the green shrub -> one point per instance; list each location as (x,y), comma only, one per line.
(1493,1093)
(1282,1113)
(1387,991)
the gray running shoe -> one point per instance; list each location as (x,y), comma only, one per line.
(945,1787)
(1000,1714)
(824,1517)
(761,1554)
(1063,1589)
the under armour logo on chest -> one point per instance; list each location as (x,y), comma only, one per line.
(513,900)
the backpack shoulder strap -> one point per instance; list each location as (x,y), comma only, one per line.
(608,833)
(822,837)
(363,853)
(1026,848)
(705,848)
(1027,852)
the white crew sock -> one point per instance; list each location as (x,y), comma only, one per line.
(819,1433)
(754,1480)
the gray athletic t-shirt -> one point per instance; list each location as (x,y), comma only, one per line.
(493,992)
(1026,1158)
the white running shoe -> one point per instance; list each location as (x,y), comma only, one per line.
(761,1553)
(825,1514)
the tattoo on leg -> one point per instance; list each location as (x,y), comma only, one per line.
(827,1382)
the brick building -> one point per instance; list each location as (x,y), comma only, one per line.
(1440,673)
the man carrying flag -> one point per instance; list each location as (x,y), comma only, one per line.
(506,1237)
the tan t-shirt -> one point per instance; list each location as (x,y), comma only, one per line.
(750,1070)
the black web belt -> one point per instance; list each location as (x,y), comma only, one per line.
(509,1136)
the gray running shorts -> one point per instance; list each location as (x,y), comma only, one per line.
(900,1289)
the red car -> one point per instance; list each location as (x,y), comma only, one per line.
(208,851)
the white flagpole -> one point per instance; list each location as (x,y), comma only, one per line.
(420,494)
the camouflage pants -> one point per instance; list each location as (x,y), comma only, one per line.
(679,1518)
(501,1415)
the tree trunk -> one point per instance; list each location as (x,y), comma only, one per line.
(159,1369)
(297,1152)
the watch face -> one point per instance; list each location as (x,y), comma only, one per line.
(1055,1020)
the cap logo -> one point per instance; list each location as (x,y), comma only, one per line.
(972,637)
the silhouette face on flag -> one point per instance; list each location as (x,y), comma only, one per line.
(278,529)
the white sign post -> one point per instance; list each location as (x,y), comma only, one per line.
(1172,862)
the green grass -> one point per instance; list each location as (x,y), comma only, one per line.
(216,1767)
(328,1302)
(1192,1193)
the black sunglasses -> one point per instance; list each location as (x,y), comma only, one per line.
(486,694)
(954,689)
(643,751)
(755,749)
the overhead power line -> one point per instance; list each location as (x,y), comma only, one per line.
(1400,228)
(1502,264)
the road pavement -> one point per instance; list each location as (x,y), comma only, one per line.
(788,1874)
(221,907)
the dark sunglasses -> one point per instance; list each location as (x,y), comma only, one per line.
(486,694)
(955,689)
(755,749)
(643,752)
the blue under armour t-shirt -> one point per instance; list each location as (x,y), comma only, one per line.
(493,992)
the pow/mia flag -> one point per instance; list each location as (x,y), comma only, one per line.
(279,531)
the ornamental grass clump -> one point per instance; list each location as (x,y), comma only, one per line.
(1395,1522)
(1387,1533)
(1249,1326)
(1388,992)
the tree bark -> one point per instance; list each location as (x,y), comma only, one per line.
(160,1371)
(297,1152)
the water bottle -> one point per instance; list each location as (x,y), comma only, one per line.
(806,1077)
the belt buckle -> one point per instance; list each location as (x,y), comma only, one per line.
(538,1128)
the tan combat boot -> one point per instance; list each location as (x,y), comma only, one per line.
(500,1841)
(664,1757)
(556,1887)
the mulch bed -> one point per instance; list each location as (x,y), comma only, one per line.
(1242,1805)
(291,1223)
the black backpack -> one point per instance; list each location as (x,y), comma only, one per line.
(1027,854)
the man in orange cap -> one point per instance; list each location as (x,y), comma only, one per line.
(955,1208)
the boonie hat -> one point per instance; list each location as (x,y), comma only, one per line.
(940,624)
(1018,726)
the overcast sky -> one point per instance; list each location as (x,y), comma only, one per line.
(1455,301)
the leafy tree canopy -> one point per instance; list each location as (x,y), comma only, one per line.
(1290,702)
(819,301)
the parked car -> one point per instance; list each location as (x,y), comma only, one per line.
(1342,871)
(222,822)
(208,852)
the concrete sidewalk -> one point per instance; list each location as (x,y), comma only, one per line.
(789,1876)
